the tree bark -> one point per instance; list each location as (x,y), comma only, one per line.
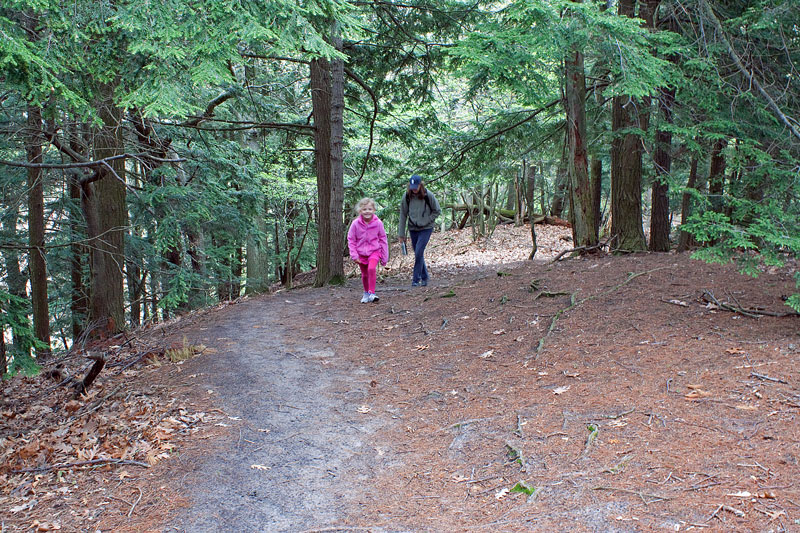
(686,240)
(662,158)
(337,160)
(716,175)
(3,354)
(559,192)
(626,168)
(37,263)
(107,309)
(582,207)
(321,103)
(597,191)
(79,299)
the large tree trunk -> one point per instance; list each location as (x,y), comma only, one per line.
(37,263)
(321,103)
(582,208)
(107,308)
(337,160)
(626,168)
(662,158)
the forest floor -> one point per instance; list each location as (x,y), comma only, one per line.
(632,393)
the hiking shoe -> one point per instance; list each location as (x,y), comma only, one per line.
(415,283)
(372,297)
(424,283)
(365,298)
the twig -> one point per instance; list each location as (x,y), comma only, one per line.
(728,508)
(762,376)
(583,249)
(463,423)
(65,466)
(614,417)
(136,502)
(634,492)
(751,313)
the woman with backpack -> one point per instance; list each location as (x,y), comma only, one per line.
(419,210)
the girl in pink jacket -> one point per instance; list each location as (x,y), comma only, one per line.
(368,246)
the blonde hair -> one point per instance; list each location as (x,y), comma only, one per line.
(363,202)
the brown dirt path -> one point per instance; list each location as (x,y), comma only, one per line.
(645,409)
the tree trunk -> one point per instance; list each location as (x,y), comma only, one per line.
(530,190)
(686,240)
(519,193)
(626,168)
(337,160)
(257,262)
(3,355)
(79,299)
(560,188)
(716,175)
(37,262)
(15,279)
(321,103)
(597,191)
(662,158)
(582,208)
(107,309)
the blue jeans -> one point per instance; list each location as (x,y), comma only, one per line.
(419,240)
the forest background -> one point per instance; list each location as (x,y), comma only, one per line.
(161,157)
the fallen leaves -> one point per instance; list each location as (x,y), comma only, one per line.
(53,439)
(561,390)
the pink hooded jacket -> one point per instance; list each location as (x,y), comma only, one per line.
(364,239)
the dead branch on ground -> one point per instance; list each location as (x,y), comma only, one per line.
(93,462)
(574,304)
(709,297)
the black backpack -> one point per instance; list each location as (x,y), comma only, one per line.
(407,200)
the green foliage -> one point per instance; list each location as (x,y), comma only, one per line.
(524,487)
(14,313)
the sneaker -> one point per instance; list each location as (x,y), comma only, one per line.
(424,283)
(415,283)
(365,298)
(373,297)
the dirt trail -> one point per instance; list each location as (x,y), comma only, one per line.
(294,458)
(647,408)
